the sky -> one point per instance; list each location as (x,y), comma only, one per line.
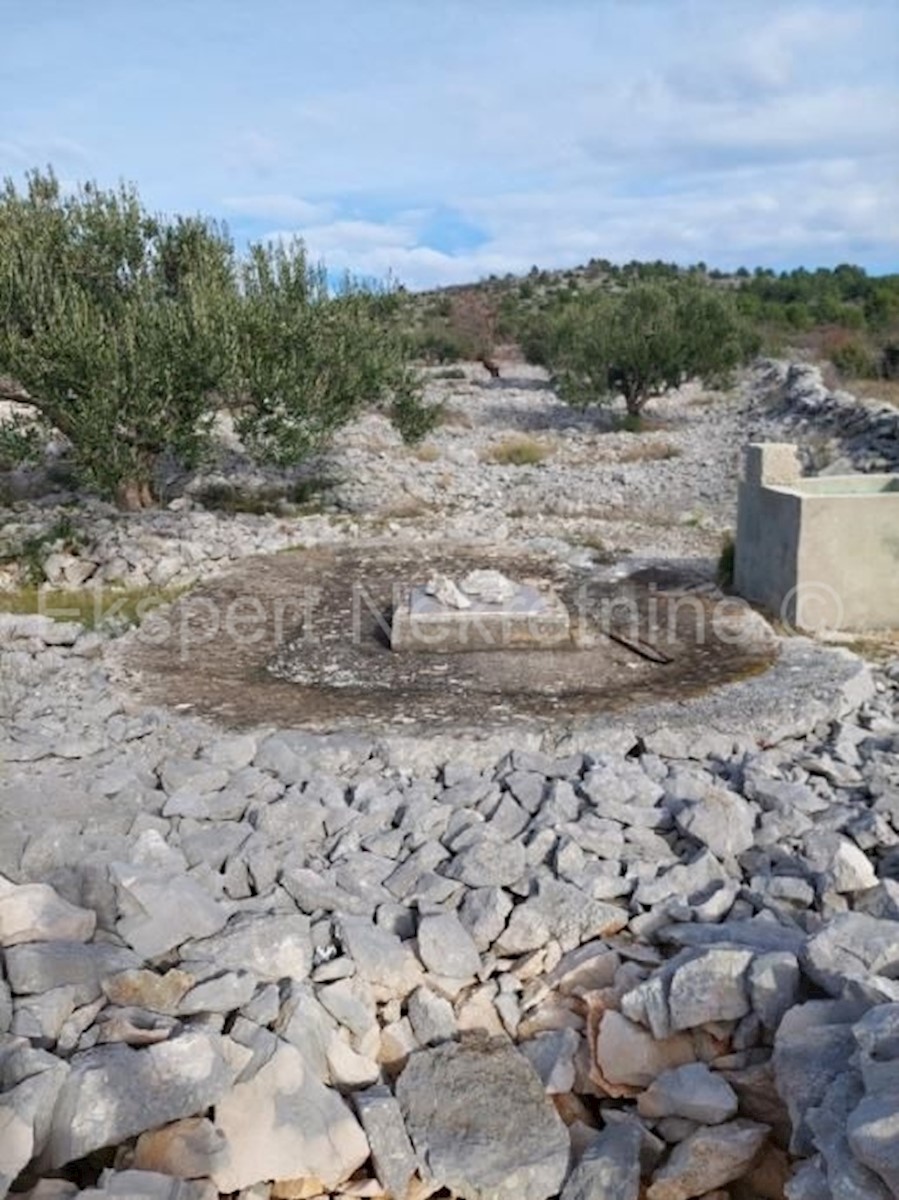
(440,141)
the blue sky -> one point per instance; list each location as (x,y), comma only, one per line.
(442,140)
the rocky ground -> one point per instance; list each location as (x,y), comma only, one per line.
(278,964)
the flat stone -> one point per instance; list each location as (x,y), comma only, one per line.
(627,1054)
(446,947)
(392,1155)
(561,911)
(873,1134)
(146,1185)
(481,1123)
(190,1148)
(849,949)
(161,910)
(221,994)
(552,1055)
(285,1124)
(34,912)
(721,820)
(691,1091)
(488,864)
(483,912)
(273,946)
(431,1017)
(609,1168)
(380,957)
(24,1120)
(828,1121)
(41,1018)
(838,862)
(529,619)
(711,987)
(193,774)
(142,988)
(773,986)
(707,1159)
(40,966)
(113,1092)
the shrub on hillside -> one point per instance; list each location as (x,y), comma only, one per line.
(639,343)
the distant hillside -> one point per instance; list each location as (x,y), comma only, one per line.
(842,314)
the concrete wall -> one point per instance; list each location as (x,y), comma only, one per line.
(820,553)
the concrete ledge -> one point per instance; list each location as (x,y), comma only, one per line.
(530,620)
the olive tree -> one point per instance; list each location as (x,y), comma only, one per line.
(112,326)
(639,342)
(127,333)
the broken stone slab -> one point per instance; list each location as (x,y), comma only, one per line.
(36,967)
(710,987)
(272,946)
(392,1155)
(284,1123)
(446,620)
(190,1149)
(147,1185)
(484,912)
(846,1174)
(143,988)
(488,864)
(839,865)
(113,1092)
(609,1169)
(562,911)
(721,820)
(35,912)
(872,1130)
(446,947)
(431,1017)
(707,1159)
(552,1055)
(773,981)
(161,910)
(221,994)
(814,1043)
(24,1120)
(851,948)
(691,1091)
(481,1123)
(627,1054)
(380,957)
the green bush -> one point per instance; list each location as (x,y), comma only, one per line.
(853,360)
(129,332)
(639,342)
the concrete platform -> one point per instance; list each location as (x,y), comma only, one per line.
(529,620)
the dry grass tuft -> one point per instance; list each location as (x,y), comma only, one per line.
(885,390)
(519,452)
(649,452)
(427,453)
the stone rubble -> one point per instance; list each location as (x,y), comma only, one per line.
(267,965)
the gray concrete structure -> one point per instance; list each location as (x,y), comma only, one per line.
(822,553)
(530,619)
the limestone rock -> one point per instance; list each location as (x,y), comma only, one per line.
(380,957)
(481,1123)
(721,820)
(34,912)
(609,1168)
(190,1148)
(707,1159)
(40,966)
(392,1155)
(273,946)
(710,987)
(446,947)
(691,1091)
(113,1092)
(283,1123)
(628,1054)
(161,910)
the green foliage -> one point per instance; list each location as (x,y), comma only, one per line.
(129,332)
(112,322)
(853,360)
(640,342)
(306,362)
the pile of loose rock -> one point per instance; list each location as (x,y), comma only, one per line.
(260,964)
(867,431)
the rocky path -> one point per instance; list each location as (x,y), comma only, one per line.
(277,965)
